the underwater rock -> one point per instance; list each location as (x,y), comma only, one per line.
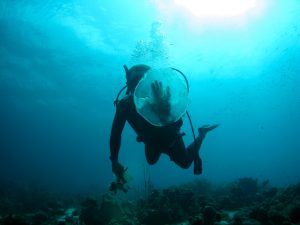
(248,186)
(259,214)
(294,213)
(295,189)
(227,203)
(283,208)
(90,212)
(13,220)
(237,220)
(223,222)
(61,221)
(70,217)
(169,206)
(245,190)
(40,217)
(156,217)
(209,215)
(55,208)
(268,217)
(110,209)
(155,199)
(174,205)
(124,221)
(249,222)
(270,193)
(197,220)
(276,217)
(106,211)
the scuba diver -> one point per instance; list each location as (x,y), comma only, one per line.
(157,139)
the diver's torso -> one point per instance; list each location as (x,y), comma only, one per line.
(145,131)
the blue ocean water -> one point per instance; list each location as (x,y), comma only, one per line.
(61,66)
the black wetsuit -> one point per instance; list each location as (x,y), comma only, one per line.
(157,140)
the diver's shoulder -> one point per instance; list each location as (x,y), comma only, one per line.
(127,99)
(177,124)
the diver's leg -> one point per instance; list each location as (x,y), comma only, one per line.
(196,145)
(184,157)
(152,154)
(202,131)
(180,155)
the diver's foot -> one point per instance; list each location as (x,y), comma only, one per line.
(197,165)
(206,128)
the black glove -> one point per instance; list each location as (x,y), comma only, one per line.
(119,171)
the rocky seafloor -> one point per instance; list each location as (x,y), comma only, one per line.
(245,201)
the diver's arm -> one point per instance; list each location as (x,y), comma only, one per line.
(115,142)
(116,133)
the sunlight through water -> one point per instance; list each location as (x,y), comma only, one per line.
(217,8)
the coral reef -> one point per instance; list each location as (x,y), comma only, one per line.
(245,201)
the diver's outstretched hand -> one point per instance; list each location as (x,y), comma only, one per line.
(161,100)
(159,93)
(206,128)
(119,171)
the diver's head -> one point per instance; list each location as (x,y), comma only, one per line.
(134,75)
